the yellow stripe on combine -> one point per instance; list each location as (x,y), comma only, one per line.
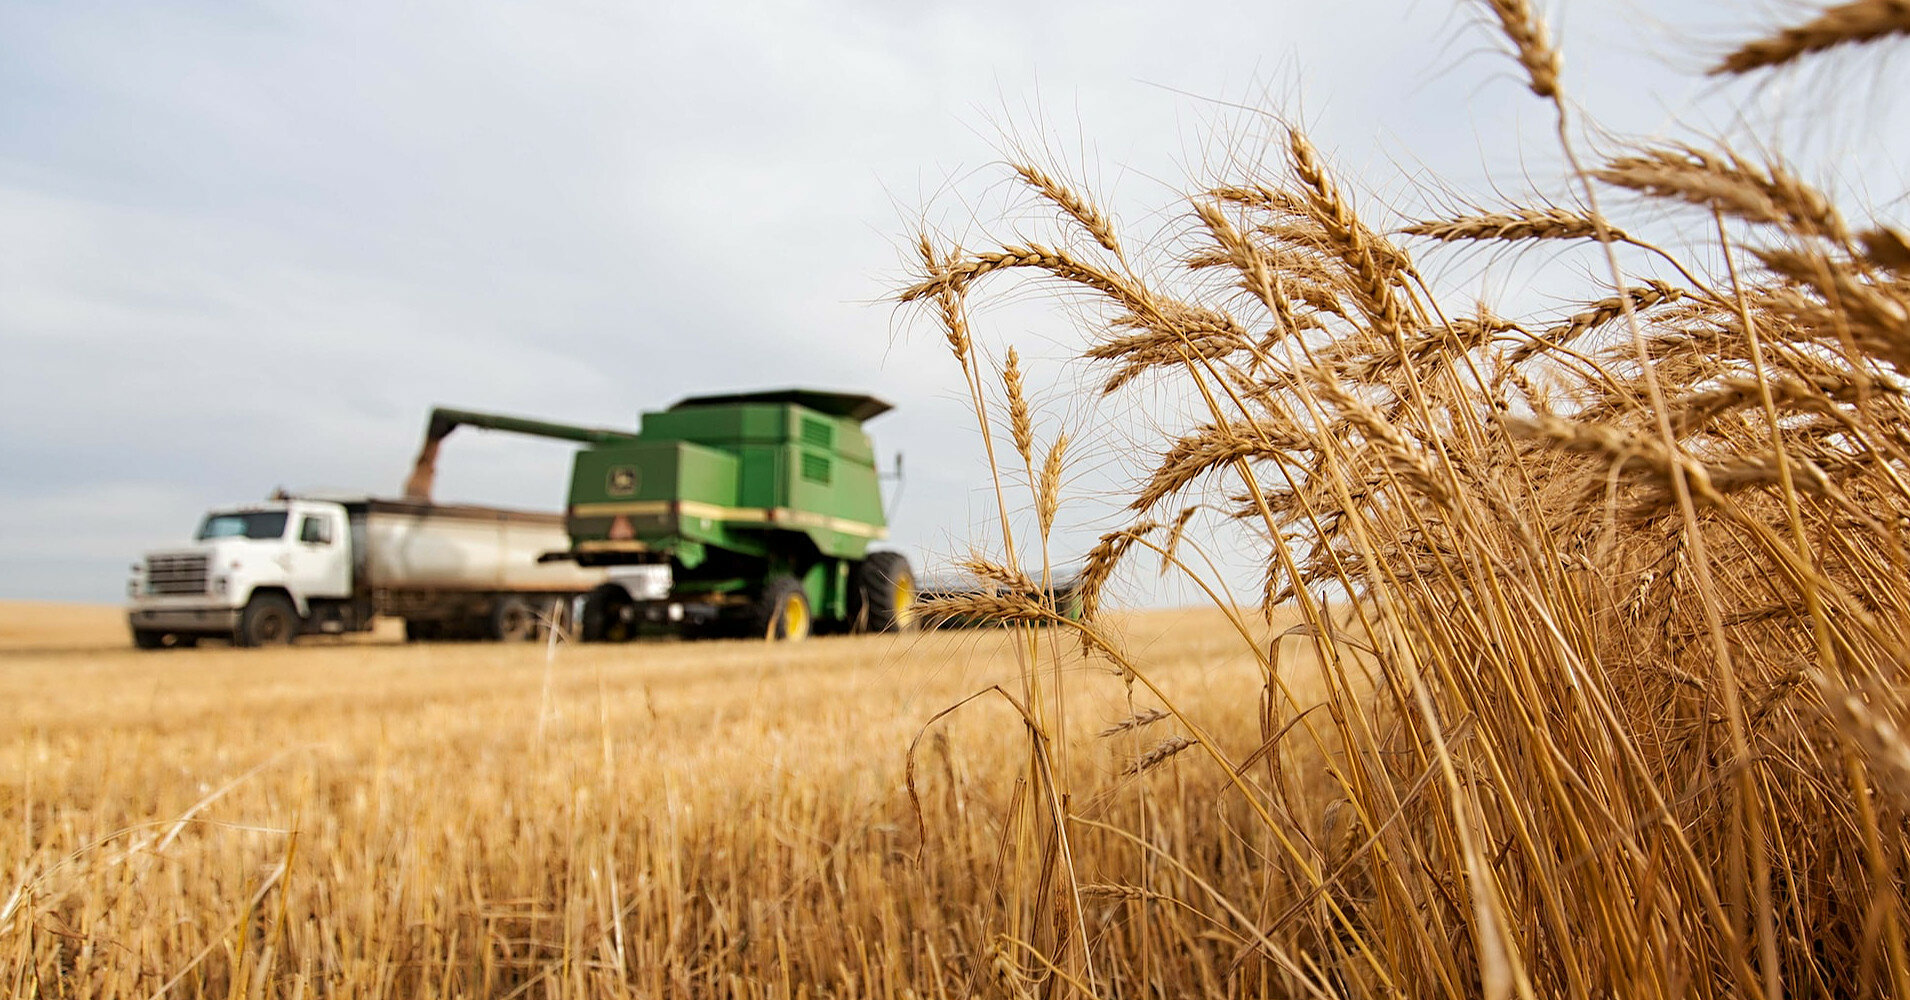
(781,516)
(612,546)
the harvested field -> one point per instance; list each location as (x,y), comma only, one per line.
(1579,665)
(376,819)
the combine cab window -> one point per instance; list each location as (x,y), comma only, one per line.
(257,524)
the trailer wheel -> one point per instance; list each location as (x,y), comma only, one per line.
(419,630)
(783,610)
(512,620)
(603,615)
(269,620)
(885,588)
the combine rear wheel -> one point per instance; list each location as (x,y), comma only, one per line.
(886,589)
(783,610)
(603,619)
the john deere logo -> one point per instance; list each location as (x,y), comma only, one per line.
(623,481)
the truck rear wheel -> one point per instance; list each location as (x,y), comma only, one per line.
(783,611)
(269,620)
(885,588)
(512,620)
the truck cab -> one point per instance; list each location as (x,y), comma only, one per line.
(253,572)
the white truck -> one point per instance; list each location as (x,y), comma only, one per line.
(264,573)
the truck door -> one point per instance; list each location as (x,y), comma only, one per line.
(321,555)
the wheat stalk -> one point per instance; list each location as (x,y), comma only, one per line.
(1727,182)
(1079,208)
(1020,424)
(1516,223)
(1139,719)
(1533,43)
(1642,296)
(1845,24)
(1212,447)
(947,298)
(1048,489)
(1158,754)
(1100,564)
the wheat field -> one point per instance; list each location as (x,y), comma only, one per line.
(1639,557)
(1580,665)
(376,819)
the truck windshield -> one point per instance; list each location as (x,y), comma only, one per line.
(257,524)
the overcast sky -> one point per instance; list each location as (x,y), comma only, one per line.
(245,245)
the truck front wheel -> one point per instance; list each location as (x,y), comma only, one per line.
(269,620)
(145,638)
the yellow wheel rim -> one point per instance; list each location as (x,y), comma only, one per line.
(903,598)
(795,618)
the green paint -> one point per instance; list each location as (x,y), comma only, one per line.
(738,487)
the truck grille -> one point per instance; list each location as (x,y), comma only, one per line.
(176,575)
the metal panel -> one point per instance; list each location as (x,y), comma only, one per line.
(462,551)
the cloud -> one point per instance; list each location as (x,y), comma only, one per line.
(250,246)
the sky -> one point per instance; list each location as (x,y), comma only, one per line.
(249,245)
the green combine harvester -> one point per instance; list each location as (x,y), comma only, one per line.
(747,514)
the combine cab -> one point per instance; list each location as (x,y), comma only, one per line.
(736,515)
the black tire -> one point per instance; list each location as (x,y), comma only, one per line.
(268,620)
(145,638)
(603,619)
(512,620)
(420,630)
(782,611)
(885,593)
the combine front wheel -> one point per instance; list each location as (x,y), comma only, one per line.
(783,610)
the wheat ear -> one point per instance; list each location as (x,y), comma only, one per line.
(1844,24)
